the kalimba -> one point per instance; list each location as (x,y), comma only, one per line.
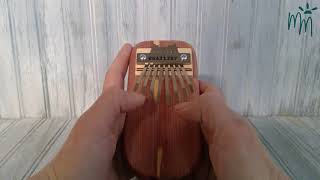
(157,142)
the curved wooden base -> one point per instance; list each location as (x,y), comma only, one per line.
(157,142)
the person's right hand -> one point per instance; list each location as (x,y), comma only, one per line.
(234,148)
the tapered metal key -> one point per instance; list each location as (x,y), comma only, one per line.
(174,84)
(154,82)
(187,78)
(181,81)
(146,80)
(140,79)
(167,87)
(160,83)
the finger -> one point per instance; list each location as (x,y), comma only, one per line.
(206,87)
(118,69)
(130,101)
(189,111)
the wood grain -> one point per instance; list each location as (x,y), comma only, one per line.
(179,140)
(286,67)
(213,22)
(54,55)
(262,56)
(54,147)
(9,96)
(29,148)
(80,57)
(16,134)
(287,147)
(239,43)
(26,49)
(307,100)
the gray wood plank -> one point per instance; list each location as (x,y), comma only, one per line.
(54,56)
(262,55)
(77,30)
(36,143)
(9,96)
(14,135)
(307,102)
(239,41)
(26,51)
(4,125)
(105,29)
(312,123)
(56,145)
(184,15)
(308,137)
(152,20)
(212,34)
(286,67)
(297,162)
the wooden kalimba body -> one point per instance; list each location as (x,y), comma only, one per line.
(157,142)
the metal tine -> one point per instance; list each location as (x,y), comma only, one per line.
(174,82)
(146,80)
(167,87)
(153,81)
(138,81)
(187,78)
(182,84)
(158,95)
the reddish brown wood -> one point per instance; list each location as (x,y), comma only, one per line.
(157,125)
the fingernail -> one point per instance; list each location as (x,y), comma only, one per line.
(127,46)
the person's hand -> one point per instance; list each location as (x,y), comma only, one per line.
(234,148)
(90,147)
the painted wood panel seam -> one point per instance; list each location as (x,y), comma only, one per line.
(35,125)
(46,149)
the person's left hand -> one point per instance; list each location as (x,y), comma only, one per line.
(90,147)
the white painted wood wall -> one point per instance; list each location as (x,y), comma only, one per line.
(54,53)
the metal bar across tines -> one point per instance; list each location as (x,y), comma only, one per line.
(138,81)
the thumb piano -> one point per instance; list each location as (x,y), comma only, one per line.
(157,142)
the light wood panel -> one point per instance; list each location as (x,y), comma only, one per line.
(54,147)
(307,101)
(54,54)
(291,145)
(262,56)
(288,58)
(27,60)
(4,125)
(9,96)
(213,19)
(20,161)
(184,21)
(150,16)
(80,57)
(239,42)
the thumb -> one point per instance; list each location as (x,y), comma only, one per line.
(130,101)
(189,110)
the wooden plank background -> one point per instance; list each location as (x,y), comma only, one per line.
(54,54)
